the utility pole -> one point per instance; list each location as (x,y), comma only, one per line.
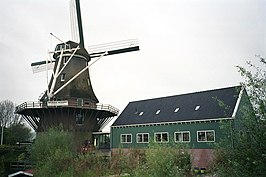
(2,133)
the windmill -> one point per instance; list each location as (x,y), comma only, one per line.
(69,99)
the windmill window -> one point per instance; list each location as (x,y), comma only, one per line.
(67,46)
(158,111)
(197,108)
(141,113)
(79,119)
(61,47)
(63,77)
(80,102)
(65,60)
(176,109)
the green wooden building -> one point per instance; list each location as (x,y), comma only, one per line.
(192,118)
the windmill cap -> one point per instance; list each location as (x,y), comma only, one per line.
(71,45)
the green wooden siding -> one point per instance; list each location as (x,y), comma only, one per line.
(170,128)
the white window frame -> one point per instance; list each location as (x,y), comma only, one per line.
(126,138)
(142,134)
(182,132)
(161,133)
(205,131)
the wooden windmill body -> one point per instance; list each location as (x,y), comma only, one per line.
(69,99)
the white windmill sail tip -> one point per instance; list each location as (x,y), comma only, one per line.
(113,46)
(41,66)
(73,21)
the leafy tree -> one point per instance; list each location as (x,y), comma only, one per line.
(17,132)
(243,153)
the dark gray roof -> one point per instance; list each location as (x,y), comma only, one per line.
(144,111)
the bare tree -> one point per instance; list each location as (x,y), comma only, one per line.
(7,113)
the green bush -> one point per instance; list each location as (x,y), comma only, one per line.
(165,161)
(53,153)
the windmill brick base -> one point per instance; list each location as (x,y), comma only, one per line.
(79,118)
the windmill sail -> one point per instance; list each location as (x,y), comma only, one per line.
(42,66)
(69,99)
(76,23)
(110,48)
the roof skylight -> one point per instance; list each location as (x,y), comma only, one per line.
(197,108)
(158,111)
(141,113)
(176,109)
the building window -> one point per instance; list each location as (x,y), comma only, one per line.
(161,137)
(206,136)
(63,77)
(126,138)
(143,138)
(183,136)
(79,119)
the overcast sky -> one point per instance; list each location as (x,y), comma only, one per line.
(185,45)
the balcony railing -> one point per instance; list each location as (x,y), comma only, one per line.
(72,103)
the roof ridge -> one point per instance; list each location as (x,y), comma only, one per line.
(196,92)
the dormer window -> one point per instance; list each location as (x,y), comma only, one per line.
(176,109)
(79,119)
(158,111)
(197,108)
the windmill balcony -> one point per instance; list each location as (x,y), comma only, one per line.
(70,103)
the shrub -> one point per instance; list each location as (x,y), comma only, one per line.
(166,161)
(52,153)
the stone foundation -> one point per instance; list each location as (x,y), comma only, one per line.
(202,158)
